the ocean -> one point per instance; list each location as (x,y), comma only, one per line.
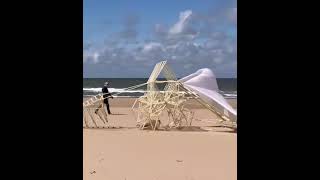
(92,86)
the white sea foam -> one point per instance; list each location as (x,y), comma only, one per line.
(92,90)
(230,95)
(113,90)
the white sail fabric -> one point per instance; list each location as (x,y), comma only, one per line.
(204,83)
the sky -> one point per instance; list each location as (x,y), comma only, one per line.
(126,38)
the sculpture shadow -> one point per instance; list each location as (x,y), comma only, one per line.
(117,114)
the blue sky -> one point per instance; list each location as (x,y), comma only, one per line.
(125,38)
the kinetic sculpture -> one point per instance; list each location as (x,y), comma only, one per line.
(169,95)
(155,101)
(94,115)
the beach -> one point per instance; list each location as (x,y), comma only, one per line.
(203,151)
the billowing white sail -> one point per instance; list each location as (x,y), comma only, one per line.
(204,83)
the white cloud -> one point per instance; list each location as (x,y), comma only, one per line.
(89,57)
(180,44)
(180,26)
(183,28)
(95,57)
(152,46)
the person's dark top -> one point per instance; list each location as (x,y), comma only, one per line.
(106,93)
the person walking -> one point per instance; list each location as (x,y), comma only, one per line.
(106,96)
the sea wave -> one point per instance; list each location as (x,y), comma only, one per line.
(230,95)
(113,90)
(88,92)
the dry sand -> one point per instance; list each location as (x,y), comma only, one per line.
(127,153)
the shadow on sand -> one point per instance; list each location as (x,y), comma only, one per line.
(180,129)
(202,129)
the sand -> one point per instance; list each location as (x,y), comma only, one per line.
(198,153)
